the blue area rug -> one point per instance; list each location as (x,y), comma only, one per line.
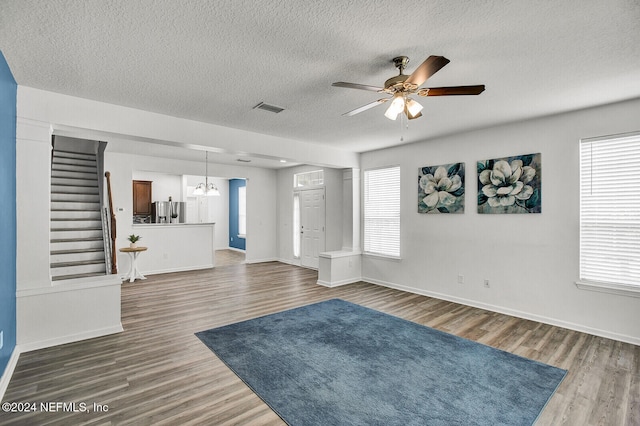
(337,363)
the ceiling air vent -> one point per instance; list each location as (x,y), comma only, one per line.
(267,107)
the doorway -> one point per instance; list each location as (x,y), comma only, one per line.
(312,226)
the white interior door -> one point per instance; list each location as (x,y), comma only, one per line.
(312,213)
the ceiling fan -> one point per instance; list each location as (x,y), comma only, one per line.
(402,86)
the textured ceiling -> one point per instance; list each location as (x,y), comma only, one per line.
(213,61)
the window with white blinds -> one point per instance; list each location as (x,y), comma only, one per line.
(610,210)
(382,211)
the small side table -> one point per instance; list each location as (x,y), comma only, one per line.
(134,273)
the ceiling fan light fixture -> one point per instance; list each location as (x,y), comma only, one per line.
(401,86)
(396,107)
(413,107)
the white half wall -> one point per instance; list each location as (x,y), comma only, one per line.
(171,248)
(530,260)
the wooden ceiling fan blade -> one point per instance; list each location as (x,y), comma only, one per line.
(429,67)
(365,107)
(452,91)
(357,86)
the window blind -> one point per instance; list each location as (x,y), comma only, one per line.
(382,211)
(610,210)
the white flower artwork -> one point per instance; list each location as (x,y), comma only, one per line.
(510,185)
(441,188)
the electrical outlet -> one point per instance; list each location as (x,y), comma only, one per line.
(460,279)
(486,283)
(165,256)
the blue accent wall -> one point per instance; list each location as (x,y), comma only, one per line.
(234,240)
(8,93)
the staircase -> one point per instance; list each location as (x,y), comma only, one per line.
(77,245)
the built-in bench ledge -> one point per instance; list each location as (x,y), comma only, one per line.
(339,268)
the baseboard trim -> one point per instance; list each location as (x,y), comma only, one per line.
(338,283)
(270,259)
(33,346)
(234,249)
(512,312)
(170,270)
(295,262)
(8,371)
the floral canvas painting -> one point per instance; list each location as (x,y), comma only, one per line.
(510,185)
(441,189)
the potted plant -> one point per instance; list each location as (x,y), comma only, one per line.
(133,239)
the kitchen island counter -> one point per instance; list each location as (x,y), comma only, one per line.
(173,247)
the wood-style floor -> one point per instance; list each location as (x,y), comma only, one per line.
(158,373)
(229,257)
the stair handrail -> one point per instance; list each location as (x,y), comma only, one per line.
(112,215)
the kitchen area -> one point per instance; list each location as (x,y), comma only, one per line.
(177,226)
(192,244)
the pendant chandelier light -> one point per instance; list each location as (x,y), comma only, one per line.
(206,188)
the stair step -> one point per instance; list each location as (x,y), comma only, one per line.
(58,214)
(75,256)
(74,182)
(61,224)
(74,206)
(78,228)
(74,189)
(74,234)
(59,252)
(76,197)
(71,154)
(75,276)
(76,244)
(57,159)
(72,240)
(75,268)
(74,174)
(75,263)
(59,167)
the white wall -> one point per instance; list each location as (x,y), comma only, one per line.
(531,260)
(212,209)
(333,213)
(163,185)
